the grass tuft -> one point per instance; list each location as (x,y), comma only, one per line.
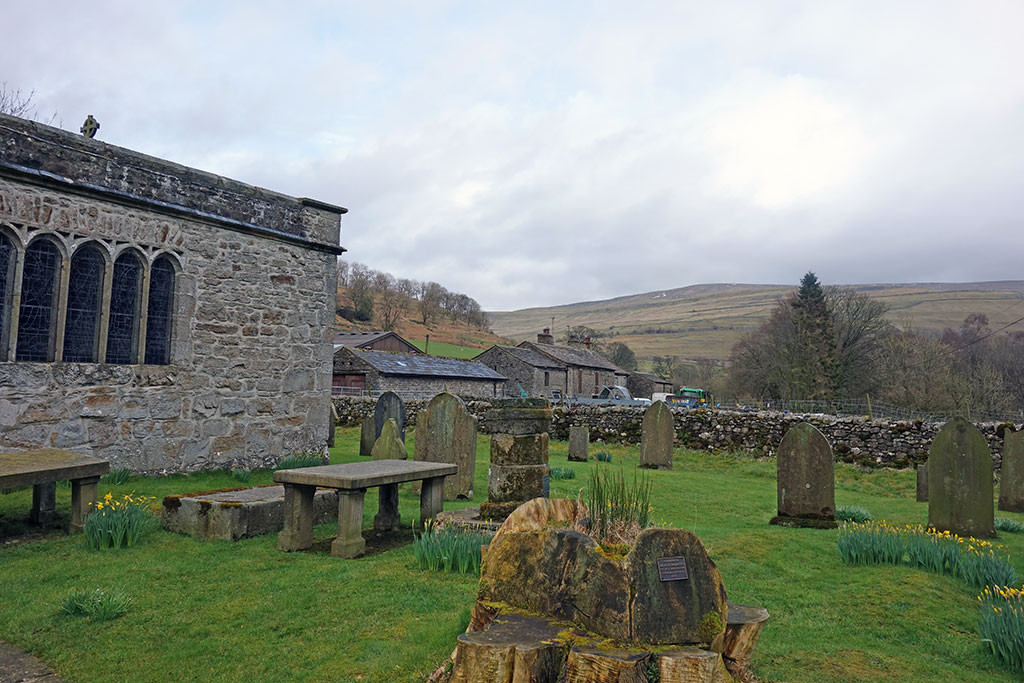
(117,477)
(294,462)
(852,513)
(1010,526)
(619,510)
(98,605)
(563,473)
(603,456)
(449,549)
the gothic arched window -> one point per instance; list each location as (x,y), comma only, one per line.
(85,295)
(37,317)
(122,331)
(161,307)
(7,257)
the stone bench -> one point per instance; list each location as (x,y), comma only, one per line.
(42,469)
(351,481)
(234,514)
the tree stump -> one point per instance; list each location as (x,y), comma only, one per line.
(742,629)
(512,649)
(593,665)
(692,665)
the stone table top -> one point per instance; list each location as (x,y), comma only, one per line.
(40,466)
(362,475)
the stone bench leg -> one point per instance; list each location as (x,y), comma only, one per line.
(349,542)
(387,518)
(83,500)
(431,499)
(44,502)
(298,518)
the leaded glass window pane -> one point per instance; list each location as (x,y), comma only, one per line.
(38,287)
(124,307)
(7,256)
(85,289)
(158,318)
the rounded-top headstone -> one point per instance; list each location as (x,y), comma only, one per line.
(960,486)
(389,407)
(579,442)
(656,437)
(446,432)
(1011,480)
(388,446)
(806,479)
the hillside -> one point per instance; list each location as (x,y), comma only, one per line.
(704,321)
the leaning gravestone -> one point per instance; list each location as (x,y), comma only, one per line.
(579,442)
(367,437)
(388,446)
(922,483)
(657,434)
(446,432)
(1011,482)
(806,479)
(519,454)
(389,407)
(960,481)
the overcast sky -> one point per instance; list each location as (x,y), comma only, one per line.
(536,153)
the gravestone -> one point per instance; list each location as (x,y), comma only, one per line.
(922,483)
(446,432)
(806,480)
(657,434)
(1011,483)
(388,446)
(579,442)
(389,407)
(367,437)
(332,425)
(519,454)
(960,481)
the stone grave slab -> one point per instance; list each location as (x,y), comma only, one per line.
(960,488)
(388,446)
(366,438)
(389,407)
(446,432)
(656,437)
(238,513)
(1011,481)
(922,483)
(806,479)
(579,443)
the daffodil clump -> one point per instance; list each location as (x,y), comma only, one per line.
(1001,625)
(977,562)
(449,549)
(116,523)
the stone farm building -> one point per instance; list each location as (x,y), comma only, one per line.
(155,315)
(542,368)
(644,384)
(374,341)
(360,372)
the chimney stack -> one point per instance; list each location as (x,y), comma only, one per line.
(545,337)
(586,343)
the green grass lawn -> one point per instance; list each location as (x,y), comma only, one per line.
(245,611)
(448,350)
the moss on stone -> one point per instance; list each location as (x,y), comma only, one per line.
(710,626)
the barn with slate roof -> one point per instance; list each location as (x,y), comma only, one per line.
(358,372)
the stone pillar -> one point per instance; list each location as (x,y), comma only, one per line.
(349,541)
(960,481)
(297,533)
(1011,480)
(83,500)
(431,499)
(579,443)
(922,483)
(519,454)
(806,480)
(44,503)
(387,517)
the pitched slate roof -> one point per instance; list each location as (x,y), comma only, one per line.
(355,339)
(530,357)
(427,366)
(571,356)
(651,376)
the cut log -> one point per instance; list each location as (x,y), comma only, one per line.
(512,649)
(742,630)
(593,665)
(692,665)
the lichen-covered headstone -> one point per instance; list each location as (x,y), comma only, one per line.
(1011,481)
(367,437)
(388,446)
(806,479)
(332,424)
(389,407)
(922,483)
(960,481)
(656,437)
(446,432)
(579,442)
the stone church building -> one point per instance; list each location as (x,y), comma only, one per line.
(158,316)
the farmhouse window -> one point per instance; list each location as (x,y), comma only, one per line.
(85,301)
(547,379)
(36,319)
(122,332)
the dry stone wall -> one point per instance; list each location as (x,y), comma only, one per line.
(858,440)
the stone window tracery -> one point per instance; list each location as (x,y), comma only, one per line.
(85,301)
(36,317)
(125,296)
(161,306)
(7,259)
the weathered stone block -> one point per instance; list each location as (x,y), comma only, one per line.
(523,449)
(506,483)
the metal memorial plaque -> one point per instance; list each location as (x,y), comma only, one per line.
(672,568)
